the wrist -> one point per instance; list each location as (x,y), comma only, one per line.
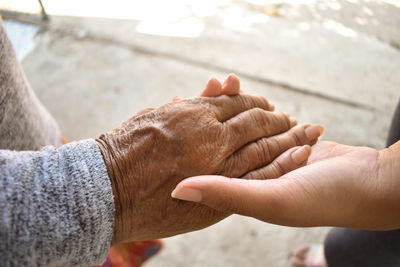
(112,170)
(389,165)
(388,176)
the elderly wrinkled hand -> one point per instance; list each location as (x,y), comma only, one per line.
(151,153)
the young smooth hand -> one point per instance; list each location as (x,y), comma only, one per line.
(346,186)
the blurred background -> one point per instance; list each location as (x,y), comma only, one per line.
(96,63)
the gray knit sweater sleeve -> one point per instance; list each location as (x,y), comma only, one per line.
(56,206)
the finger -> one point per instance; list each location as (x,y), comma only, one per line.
(246,197)
(265,150)
(213,88)
(292,159)
(254,124)
(299,198)
(227,107)
(231,85)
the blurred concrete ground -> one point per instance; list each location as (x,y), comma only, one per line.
(332,62)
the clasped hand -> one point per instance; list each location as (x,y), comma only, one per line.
(234,136)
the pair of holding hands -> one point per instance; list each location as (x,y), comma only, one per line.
(229,136)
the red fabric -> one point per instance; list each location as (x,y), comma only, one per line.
(132,254)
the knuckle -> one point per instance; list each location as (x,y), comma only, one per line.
(246,99)
(268,173)
(260,174)
(278,168)
(275,148)
(236,129)
(294,136)
(263,101)
(264,150)
(257,114)
(219,101)
(234,166)
(260,117)
(258,101)
(285,120)
(240,101)
(281,119)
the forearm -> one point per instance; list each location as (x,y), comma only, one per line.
(56,206)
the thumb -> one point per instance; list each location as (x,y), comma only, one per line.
(254,198)
(257,197)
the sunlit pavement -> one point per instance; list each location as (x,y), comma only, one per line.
(331,62)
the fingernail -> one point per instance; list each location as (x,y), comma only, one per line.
(301,155)
(314,131)
(188,194)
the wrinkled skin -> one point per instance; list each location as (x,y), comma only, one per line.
(152,152)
